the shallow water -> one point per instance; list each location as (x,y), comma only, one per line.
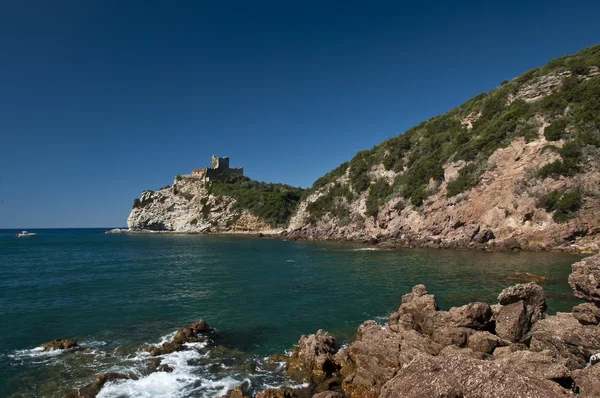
(115,293)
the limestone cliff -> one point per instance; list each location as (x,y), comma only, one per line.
(189,206)
(518,167)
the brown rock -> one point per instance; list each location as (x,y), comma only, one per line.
(417,304)
(500,351)
(277,393)
(566,338)
(189,334)
(543,364)
(462,376)
(58,344)
(473,315)
(484,342)
(531,294)
(238,392)
(512,322)
(328,394)
(587,381)
(92,390)
(449,335)
(587,314)
(585,279)
(313,359)
(526,277)
(453,350)
(377,354)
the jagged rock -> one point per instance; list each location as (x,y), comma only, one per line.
(531,294)
(418,304)
(58,344)
(277,393)
(377,354)
(462,376)
(189,334)
(473,315)
(585,279)
(567,338)
(484,342)
(238,392)
(543,364)
(453,350)
(450,335)
(587,314)
(587,381)
(512,322)
(500,351)
(328,394)
(92,390)
(313,359)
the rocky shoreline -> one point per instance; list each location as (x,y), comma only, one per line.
(382,242)
(512,348)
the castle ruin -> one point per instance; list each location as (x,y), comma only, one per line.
(220,166)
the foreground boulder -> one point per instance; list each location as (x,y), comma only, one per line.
(377,354)
(416,306)
(585,279)
(521,306)
(462,376)
(587,314)
(566,338)
(587,381)
(58,344)
(313,359)
(193,333)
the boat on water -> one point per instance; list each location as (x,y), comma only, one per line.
(24,234)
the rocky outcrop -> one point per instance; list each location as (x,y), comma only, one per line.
(509,349)
(277,393)
(188,206)
(462,376)
(585,279)
(313,359)
(92,390)
(58,344)
(196,332)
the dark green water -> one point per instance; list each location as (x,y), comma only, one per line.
(114,293)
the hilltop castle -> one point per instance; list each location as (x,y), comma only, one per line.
(220,166)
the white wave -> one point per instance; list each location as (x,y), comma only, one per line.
(181,382)
(37,352)
(366,249)
(165,339)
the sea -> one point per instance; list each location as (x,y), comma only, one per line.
(119,294)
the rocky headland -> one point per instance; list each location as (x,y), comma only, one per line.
(513,169)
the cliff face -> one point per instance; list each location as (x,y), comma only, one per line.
(188,206)
(515,168)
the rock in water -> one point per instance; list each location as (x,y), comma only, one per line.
(277,393)
(585,279)
(189,334)
(58,344)
(312,359)
(462,376)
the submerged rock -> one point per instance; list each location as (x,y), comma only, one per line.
(58,344)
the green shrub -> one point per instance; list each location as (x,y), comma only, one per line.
(178,177)
(564,204)
(378,193)
(467,179)
(274,203)
(555,130)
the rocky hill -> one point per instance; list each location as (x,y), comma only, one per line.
(517,167)
(227,204)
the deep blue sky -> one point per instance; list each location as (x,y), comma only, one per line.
(100,100)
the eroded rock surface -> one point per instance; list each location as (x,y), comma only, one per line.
(59,344)
(585,279)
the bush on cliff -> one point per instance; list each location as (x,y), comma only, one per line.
(564,204)
(274,203)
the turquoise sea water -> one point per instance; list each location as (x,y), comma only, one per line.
(115,293)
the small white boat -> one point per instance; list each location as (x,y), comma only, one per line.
(24,234)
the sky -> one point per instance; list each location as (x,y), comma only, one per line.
(100,100)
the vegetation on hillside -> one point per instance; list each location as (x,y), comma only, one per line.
(417,157)
(274,203)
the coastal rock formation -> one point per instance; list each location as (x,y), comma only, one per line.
(462,376)
(505,171)
(188,206)
(196,332)
(512,348)
(585,279)
(312,359)
(92,390)
(58,344)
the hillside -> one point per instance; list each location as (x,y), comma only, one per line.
(517,167)
(228,203)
